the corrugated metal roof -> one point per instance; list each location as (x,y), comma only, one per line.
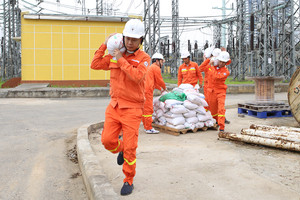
(77,17)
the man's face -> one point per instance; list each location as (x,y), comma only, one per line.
(132,43)
(160,62)
(186,60)
(222,64)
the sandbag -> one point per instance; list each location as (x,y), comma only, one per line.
(115,42)
(178,109)
(176,121)
(180,96)
(190,105)
(190,113)
(192,120)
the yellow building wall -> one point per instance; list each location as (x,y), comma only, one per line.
(63,50)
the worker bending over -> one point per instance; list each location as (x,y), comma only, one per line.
(154,80)
(124,112)
(189,71)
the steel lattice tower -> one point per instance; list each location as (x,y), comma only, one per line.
(152,26)
(99,7)
(10,47)
(175,38)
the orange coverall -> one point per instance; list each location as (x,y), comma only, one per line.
(189,74)
(202,68)
(154,80)
(217,92)
(124,112)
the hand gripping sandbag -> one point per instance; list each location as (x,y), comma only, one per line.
(115,42)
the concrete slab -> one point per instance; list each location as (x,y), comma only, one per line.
(31,86)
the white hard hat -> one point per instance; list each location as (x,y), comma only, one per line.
(134,28)
(158,56)
(185,54)
(224,56)
(208,51)
(216,52)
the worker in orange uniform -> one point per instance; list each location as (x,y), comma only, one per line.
(124,112)
(154,80)
(224,49)
(189,72)
(217,77)
(206,56)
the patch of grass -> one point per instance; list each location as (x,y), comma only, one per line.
(73,86)
(229,80)
(169,79)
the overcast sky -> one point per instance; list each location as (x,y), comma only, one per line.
(187,8)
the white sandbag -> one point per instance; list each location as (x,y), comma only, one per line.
(181,126)
(172,115)
(192,120)
(194,99)
(176,121)
(186,86)
(176,89)
(199,124)
(178,109)
(162,120)
(203,102)
(203,118)
(190,113)
(162,107)
(190,105)
(201,110)
(171,102)
(189,125)
(115,42)
(159,113)
(156,101)
(209,123)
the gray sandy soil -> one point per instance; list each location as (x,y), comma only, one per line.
(201,166)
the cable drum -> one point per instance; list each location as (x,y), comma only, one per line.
(294,95)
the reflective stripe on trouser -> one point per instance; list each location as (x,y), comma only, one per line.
(148,111)
(217,107)
(128,120)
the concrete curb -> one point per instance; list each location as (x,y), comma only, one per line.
(97,185)
(104,91)
(54,92)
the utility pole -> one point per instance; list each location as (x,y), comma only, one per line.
(223,28)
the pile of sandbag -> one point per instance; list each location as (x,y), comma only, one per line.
(182,108)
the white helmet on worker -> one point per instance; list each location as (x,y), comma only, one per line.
(134,28)
(216,52)
(224,56)
(158,56)
(185,54)
(208,51)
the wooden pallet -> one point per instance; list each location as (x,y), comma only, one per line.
(265,114)
(177,132)
(260,107)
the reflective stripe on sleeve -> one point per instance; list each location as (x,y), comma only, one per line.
(221,115)
(113,61)
(147,115)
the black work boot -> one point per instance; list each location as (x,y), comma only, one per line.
(126,189)
(120,159)
(226,121)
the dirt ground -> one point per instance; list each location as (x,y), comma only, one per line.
(201,166)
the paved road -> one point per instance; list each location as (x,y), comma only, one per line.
(35,136)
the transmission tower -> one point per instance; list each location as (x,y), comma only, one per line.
(10,47)
(99,7)
(152,26)
(175,38)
